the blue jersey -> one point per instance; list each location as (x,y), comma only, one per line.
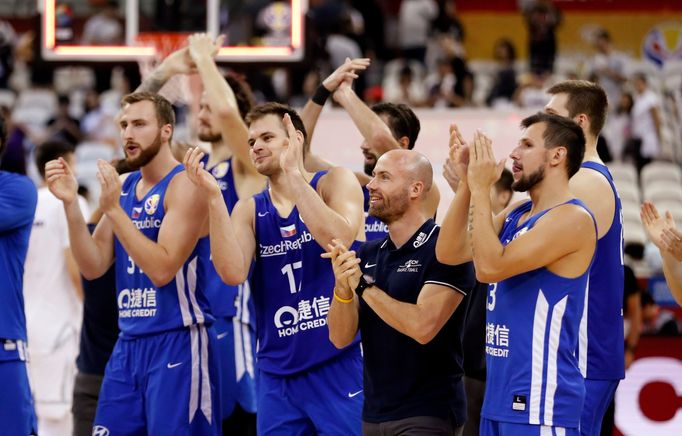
(531,337)
(222,297)
(18,199)
(600,349)
(292,291)
(142,307)
(374,227)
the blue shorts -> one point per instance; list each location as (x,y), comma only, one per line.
(598,396)
(161,384)
(236,351)
(498,428)
(16,404)
(326,400)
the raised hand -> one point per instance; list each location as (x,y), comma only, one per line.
(654,224)
(202,46)
(345,74)
(110,184)
(483,170)
(673,240)
(456,166)
(291,159)
(196,173)
(61,181)
(179,62)
(346,268)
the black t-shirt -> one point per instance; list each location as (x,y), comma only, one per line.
(100,322)
(473,342)
(403,378)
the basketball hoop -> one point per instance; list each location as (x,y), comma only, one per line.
(164,43)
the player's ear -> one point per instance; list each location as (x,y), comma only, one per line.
(404,142)
(416,189)
(166,132)
(558,154)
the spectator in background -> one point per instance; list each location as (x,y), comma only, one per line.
(414,25)
(53,297)
(14,158)
(7,40)
(408,89)
(542,19)
(63,127)
(531,93)
(96,124)
(646,123)
(440,85)
(608,67)
(618,129)
(658,321)
(104,28)
(340,45)
(505,84)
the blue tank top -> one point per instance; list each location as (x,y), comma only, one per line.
(600,348)
(531,337)
(142,307)
(292,292)
(222,297)
(374,227)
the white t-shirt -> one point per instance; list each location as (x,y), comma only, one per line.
(53,310)
(415,19)
(643,126)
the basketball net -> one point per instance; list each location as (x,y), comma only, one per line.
(177,89)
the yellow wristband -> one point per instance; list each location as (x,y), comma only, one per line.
(342,300)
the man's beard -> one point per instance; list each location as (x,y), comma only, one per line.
(526,183)
(209,136)
(369,168)
(146,155)
(390,211)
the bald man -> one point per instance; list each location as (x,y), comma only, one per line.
(405,304)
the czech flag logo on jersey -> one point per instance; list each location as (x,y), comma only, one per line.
(151,204)
(136,212)
(220,170)
(288,231)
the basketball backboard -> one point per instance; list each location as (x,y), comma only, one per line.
(111,30)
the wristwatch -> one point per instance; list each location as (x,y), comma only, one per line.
(365,282)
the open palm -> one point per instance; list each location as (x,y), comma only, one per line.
(61,181)
(655,224)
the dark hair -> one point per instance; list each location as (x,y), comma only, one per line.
(509,46)
(584,98)
(242,93)
(278,109)
(504,183)
(3,134)
(164,109)
(603,34)
(561,132)
(401,120)
(63,100)
(51,150)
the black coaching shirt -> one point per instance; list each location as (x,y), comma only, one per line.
(403,378)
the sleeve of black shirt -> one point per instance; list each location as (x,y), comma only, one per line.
(458,277)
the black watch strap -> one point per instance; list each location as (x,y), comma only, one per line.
(364,283)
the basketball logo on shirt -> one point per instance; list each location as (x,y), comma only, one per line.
(151,204)
(220,170)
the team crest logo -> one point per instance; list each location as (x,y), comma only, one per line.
(663,44)
(151,204)
(220,170)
